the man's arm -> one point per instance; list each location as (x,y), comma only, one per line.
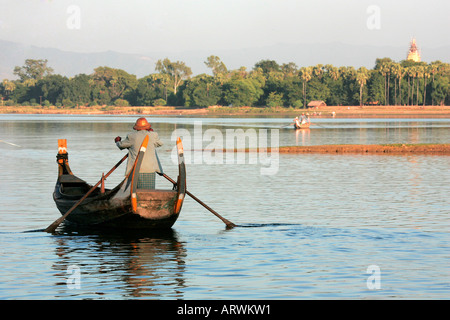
(124,144)
(157,142)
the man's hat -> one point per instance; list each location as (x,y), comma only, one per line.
(142,124)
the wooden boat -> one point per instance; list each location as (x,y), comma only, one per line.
(124,206)
(301,126)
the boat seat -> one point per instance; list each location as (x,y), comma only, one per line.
(72,185)
(70,178)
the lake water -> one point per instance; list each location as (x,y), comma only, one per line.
(310,226)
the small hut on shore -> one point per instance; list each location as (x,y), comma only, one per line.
(316,104)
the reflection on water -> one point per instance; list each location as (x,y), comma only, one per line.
(141,264)
(309,231)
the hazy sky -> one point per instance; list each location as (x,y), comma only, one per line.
(141,26)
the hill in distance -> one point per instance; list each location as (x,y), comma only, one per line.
(69,64)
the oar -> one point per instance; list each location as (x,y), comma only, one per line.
(288,125)
(51,228)
(227,222)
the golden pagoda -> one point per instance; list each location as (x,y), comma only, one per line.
(413,53)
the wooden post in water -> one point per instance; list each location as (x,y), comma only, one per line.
(102,186)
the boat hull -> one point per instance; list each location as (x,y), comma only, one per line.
(302,126)
(155,209)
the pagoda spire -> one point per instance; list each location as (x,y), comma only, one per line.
(413,53)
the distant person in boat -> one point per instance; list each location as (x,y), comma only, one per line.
(133,143)
(303,118)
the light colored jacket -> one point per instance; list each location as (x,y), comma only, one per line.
(133,142)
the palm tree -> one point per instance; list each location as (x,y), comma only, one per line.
(385,72)
(419,74)
(333,72)
(426,75)
(8,86)
(397,71)
(305,75)
(361,77)
(434,69)
(412,75)
(402,73)
(318,71)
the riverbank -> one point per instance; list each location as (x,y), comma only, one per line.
(328,111)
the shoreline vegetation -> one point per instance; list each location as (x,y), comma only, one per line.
(267,88)
(318,112)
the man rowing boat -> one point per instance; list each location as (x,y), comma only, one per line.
(133,143)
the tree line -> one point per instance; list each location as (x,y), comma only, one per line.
(267,84)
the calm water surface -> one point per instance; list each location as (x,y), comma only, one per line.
(310,230)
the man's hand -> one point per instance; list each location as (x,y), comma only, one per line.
(117,139)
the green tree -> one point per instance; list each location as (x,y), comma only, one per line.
(318,71)
(216,65)
(397,72)
(292,92)
(332,72)
(151,89)
(7,88)
(362,75)
(306,75)
(411,77)
(434,68)
(384,67)
(54,88)
(33,70)
(419,75)
(202,91)
(317,90)
(426,75)
(375,87)
(80,89)
(334,82)
(438,69)
(177,71)
(267,66)
(111,84)
(350,89)
(242,92)
(275,99)
(272,82)
(20,94)
(441,90)
(289,70)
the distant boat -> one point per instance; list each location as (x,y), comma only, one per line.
(118,207)
(301,126)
